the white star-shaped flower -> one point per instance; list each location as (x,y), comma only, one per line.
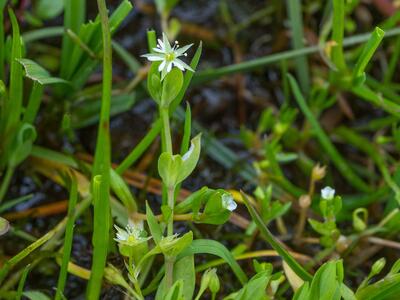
(327,193)
(132,235)
(169,56)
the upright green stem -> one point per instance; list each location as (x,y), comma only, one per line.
(169,262)
(164,111)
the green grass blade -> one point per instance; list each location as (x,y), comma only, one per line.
(337,34)
(297,36)
(294,265)
(42,33)
(393,62)
(216,248)
(74,17)
(21,282)
(69,233)
(367,52)
(2,54)
(365,93)
(101,167)
(258,63)
(363,144)
(326,144)
(34,103)
(13,106)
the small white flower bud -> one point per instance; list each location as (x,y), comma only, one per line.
(327,193)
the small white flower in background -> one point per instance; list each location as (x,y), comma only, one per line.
(168,56)
(327,193)
(132,235)
(228,202)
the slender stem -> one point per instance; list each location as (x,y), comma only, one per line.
(169,262)
(164,111)
(171,204)
(169,271)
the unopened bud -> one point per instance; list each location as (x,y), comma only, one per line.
(305,201)
(342,244)
(114,276)
(318,172)
(214,285)
(378,266)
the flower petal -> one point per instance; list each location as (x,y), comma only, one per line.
(153,56)
(167,46)
(181,51)
(169,67)
(162,65)
(177,60)
(161,43)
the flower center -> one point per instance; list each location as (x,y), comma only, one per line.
(170,56)
(131,239)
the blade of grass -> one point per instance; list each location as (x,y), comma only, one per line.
(74,16)
(393,63)
(12,262)
(69,233)
(21,283)
(13,105)
(337,34)
(294,265)
(34,103)
(365,93)
(42,33)
(297,36)
(326,144)
(363,144)
(258,63)
(367,52)
(2,6)
(215,248)
(101,167)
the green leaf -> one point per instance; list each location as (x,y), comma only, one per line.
(48,9)
(36,295)
(190,158)
(154,227)
(255,288)
(325,284)
(184,271)
(173,169)
(154,86)
(175,292)
(319,227)
(216,248)
(385,289)
(294,265)
(169,167)
(23,144)
(366,54)
(214,211)
(303,292)
(172,85)
(37,73)
(121,189)
(173,245)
